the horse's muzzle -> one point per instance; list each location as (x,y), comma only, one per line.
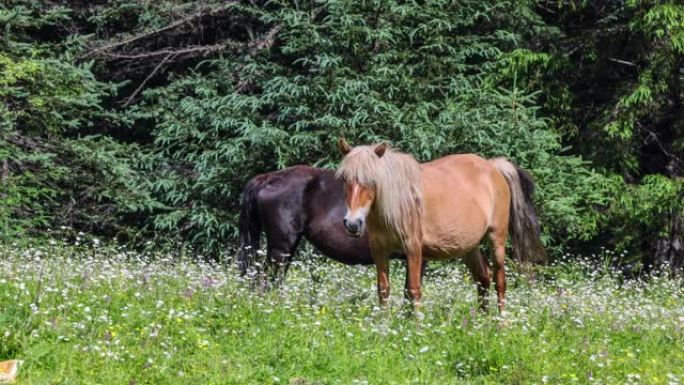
(354,228)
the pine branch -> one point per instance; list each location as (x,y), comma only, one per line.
(198,15)
(140,87)
(266,42)
(192,51)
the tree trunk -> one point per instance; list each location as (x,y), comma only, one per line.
(668,253)
(5,171)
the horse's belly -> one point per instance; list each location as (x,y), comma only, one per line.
(457,245)
(456,213)
(452,240)
(332,240)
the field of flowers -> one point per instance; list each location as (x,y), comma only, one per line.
(105,316)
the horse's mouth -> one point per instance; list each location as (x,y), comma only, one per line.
(355,234)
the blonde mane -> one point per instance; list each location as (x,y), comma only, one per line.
(396,177)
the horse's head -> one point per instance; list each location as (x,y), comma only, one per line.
(359,197)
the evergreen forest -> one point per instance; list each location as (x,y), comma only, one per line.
(139,122)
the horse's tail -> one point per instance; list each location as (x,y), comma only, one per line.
(524,224)
(249,225)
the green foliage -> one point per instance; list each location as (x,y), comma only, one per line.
(55,176)
(644,212)
(153,115)
(610,76)
(92,184)
(48,96)
(23,196)
(407,73)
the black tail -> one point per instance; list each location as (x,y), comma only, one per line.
(524,224)
(534,248)
(250,226)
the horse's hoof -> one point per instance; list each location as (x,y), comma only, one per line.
(504,322)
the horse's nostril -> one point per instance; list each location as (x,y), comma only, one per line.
(345,222)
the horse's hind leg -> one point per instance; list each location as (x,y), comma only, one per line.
(498,238)
(479,268)
(282,237)
(280,252)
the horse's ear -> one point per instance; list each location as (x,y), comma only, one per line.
(344,147)
(380,149)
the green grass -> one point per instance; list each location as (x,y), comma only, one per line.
(78,316)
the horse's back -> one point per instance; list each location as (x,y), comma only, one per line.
(281,197)
(470,166)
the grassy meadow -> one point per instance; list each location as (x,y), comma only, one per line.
(98,315)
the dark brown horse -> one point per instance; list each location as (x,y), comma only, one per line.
(289,204)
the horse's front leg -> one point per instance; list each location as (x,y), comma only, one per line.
(414,269)
(406,281)
(382,266)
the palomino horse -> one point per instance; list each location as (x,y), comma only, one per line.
(438,210)
(289,204)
